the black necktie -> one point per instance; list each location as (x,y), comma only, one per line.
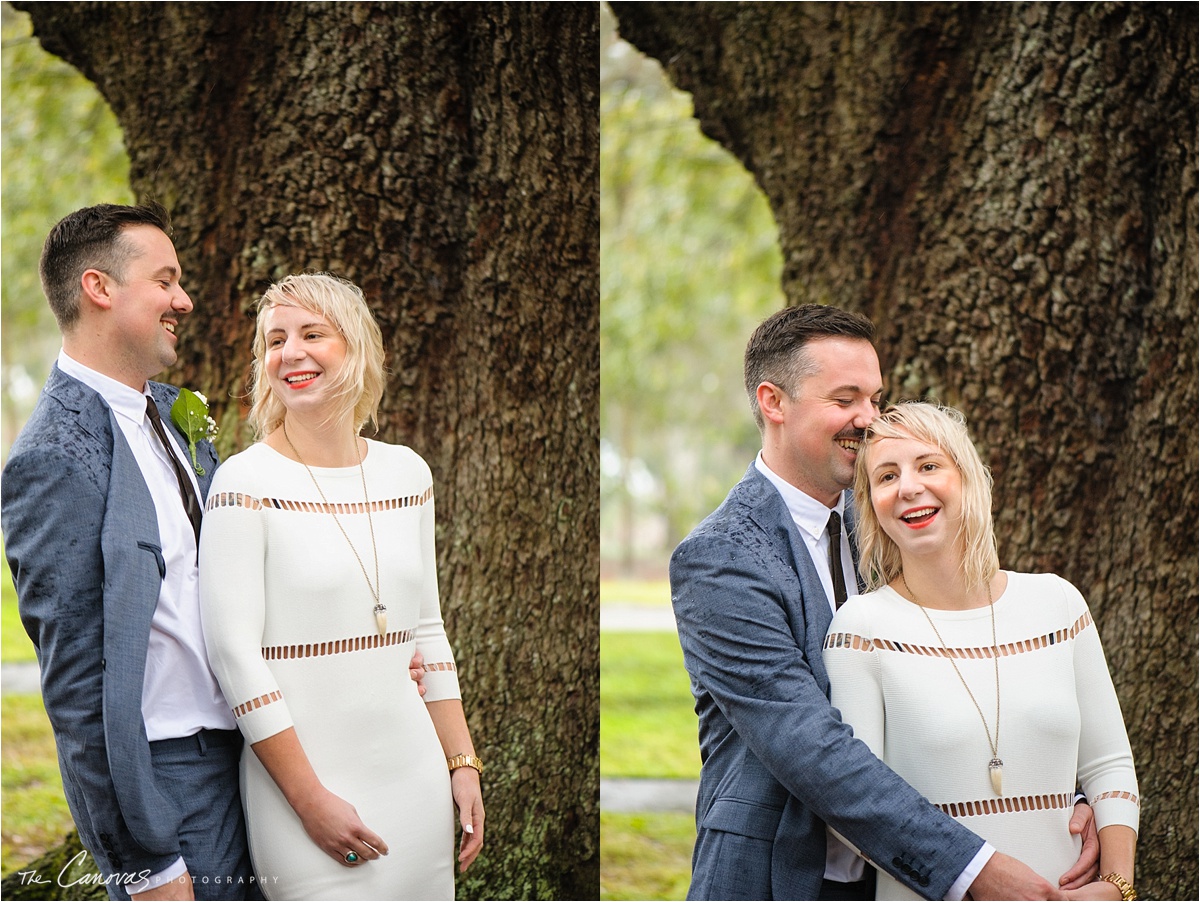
(835,559)
(191,504)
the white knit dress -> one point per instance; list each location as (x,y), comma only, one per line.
(292,639)
(1060,723)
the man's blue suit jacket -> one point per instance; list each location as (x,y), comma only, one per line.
(778,763)
(81,536)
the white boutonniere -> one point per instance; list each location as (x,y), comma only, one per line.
(190,414)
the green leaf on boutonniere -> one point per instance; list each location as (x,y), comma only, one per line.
(190,414)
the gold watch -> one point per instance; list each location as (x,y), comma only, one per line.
(1128,893)
(464,761)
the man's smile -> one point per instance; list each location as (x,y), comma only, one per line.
(850,444)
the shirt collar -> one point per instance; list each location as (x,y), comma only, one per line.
(126,401)
(810,514)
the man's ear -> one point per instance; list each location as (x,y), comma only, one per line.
(95,286)
(770,401)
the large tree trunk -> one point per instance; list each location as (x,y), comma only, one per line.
(1009,191)
(445,158)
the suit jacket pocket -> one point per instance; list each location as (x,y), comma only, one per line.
(158,557)
(743,818)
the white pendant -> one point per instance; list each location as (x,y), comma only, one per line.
(381,619)
(996,771)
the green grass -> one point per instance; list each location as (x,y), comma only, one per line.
(650,594)
(645,856)
(35,812)
(647,725)
(647,729)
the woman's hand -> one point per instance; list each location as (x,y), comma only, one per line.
(468,797)
(332,823)
(416,670)
(1099,889)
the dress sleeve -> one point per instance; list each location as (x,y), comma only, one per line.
(441,673)
(852,662)
(233,608)
(1105,759)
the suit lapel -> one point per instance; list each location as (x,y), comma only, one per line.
(91,413)
(134,570)
(130,520)
(810,603)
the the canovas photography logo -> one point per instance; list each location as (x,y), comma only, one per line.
(80,871)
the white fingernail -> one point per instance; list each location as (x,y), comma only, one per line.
(467,828)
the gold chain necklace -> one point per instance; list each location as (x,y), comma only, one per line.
(380,610)
(995,766)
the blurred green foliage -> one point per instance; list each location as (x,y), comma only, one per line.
(640,593)
(62,150)
(690,264)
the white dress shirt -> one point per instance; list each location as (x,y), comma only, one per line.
(811,517)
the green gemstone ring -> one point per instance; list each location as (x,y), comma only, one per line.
(351,857)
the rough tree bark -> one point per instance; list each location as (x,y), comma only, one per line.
(1009,191)
(445,158)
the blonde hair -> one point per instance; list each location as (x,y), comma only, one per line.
(359,382)
(945,429)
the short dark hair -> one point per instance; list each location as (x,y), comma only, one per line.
(90,239)
(774,352)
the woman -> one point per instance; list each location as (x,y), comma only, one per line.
(318,579)
(987,690)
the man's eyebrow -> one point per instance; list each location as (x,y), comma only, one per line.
(167,270)
(856,389)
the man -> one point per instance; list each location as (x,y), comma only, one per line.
(103,552)
(754,588)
